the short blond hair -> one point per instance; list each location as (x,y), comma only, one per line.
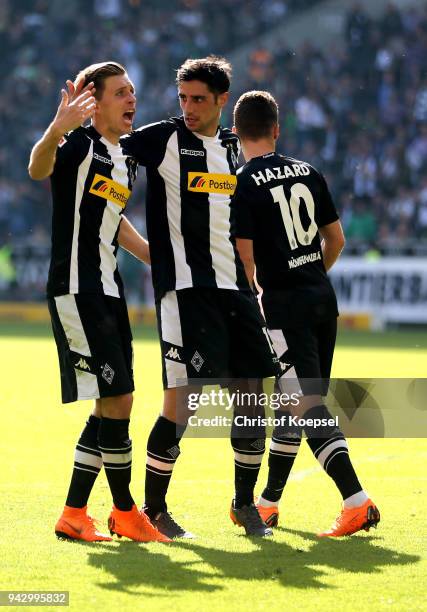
(98,73)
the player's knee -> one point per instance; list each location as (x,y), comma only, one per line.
(118,407)
(322,424)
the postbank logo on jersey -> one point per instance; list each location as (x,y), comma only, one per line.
(206,182)
(110,190)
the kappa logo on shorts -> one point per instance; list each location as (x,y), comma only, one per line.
(197,361)
(284,366)
(108,373)
(82,364)
(173,354)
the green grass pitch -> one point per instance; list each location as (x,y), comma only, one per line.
(221,569)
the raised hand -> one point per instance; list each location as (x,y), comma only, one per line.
(74,108)
(75,89)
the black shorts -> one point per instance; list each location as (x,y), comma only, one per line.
(305,352)
(212,334)
(94,343)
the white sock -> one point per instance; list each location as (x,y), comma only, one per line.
(358,499)
(266,503)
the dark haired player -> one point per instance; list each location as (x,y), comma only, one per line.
(287,226)
(91,182)
(209,323)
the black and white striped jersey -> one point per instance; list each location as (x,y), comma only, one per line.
(190,180)
(91,184)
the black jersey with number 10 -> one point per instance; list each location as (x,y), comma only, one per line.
(280,203)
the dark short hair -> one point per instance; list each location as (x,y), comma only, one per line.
(98,73)
(255,114)
(213,70)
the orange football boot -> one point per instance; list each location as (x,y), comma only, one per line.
(269,514)
(134,525)
(75,524)
(354,519)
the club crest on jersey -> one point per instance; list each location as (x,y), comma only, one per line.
(207,182)
(110,190)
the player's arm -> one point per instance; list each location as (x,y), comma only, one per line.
(148,143)
(333,242)
(132,241)
(76,106)
(246,252)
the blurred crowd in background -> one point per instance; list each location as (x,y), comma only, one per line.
(356,109)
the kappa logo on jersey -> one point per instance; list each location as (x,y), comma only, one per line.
(102,159)
(192,152)
(206,182)
(82,364)
(109,189)
(173,354)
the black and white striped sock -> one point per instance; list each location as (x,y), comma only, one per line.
(330,448)
(162,452)
(284,447)
(248,454)
(116,450)
(87,465)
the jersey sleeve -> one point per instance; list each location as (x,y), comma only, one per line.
(147,144)
(327,212)
(71,150)
(243,212)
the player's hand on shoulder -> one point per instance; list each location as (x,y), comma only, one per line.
(75,108)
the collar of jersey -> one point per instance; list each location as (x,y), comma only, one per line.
(95,135)
(208,138)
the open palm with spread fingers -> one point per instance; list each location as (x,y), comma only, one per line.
(74,108)
(76,88)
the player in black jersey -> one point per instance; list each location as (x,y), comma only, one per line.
(287,226)
(209,323)
(91,181)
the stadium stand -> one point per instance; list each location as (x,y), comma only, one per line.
(356,107)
